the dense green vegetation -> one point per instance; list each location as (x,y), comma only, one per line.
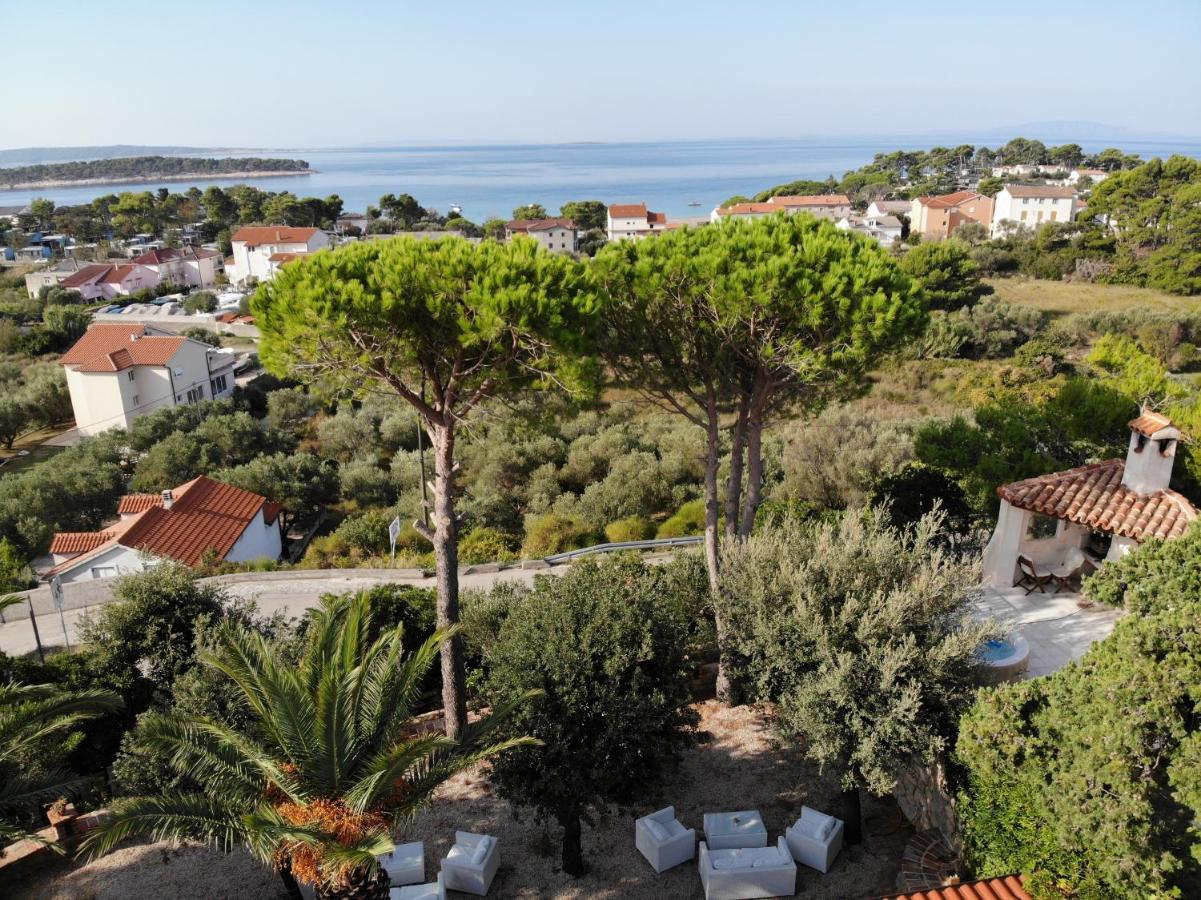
(144,167)
(1087,780)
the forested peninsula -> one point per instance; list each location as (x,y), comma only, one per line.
(142,168)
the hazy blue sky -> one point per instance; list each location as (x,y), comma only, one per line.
(331,74)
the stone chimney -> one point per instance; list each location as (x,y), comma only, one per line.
(1153,440)
(168,499)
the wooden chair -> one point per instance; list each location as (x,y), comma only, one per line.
(1031,577)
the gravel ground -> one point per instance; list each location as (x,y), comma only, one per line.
(741,766)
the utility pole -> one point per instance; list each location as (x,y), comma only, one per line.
(33,620)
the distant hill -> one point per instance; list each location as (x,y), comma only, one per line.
(32,156)
(142,168)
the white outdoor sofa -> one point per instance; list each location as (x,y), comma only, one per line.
(471,863)
(435,890)
(663,840)
(815,839)
(747,872)
(405,864)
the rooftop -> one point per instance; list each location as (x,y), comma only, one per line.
(113,346)
(1150,423)
(1094,496)
(538,224)
(811,200)
(1053,191)
(273,234)
(946,201)
(1007,888)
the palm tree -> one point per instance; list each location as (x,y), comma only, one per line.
(31,715)
(327,764)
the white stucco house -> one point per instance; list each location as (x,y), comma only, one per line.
(194,266)
(823,206)
(117,372)
(631,221)
(1106,508)
(103,281)
(888,208)
(198,519)
(1031,205)
(259,251)
(556,235)
(883,229)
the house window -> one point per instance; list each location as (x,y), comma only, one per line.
(104,571)
(130,375)
(1054,215)
(196,394)
(1041,527)
(135,399)
(1023,215)
(218,385)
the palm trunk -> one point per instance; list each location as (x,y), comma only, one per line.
(360,884)
(754,454)
(573,845)
(446,556)
(712,547)
(852,815)
(737,456)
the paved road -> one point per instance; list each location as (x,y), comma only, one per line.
(274,593)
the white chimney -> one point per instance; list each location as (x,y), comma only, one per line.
(1153,440)
(168,500)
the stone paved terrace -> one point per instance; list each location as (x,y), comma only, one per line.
(1059,627)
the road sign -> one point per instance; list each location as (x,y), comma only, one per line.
(393,534)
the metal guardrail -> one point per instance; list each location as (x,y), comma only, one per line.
(650,544)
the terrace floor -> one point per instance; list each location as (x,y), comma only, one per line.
(1059,627)
(739,765)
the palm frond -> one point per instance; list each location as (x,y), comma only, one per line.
(31,791)
(30,713)
(170,816)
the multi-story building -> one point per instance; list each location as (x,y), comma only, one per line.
(188,266)
(259,251)
(1030,205)
(824,206)
(117,372)
(558,235)
(103,281)
(935,218)
(633,221)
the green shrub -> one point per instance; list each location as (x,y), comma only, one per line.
(631,528)
(483,545)
(552,533)
(367,533)
(689,519)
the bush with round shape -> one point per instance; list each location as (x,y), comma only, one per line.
(631,528)
(689,519)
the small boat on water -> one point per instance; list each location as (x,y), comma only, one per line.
(695,203)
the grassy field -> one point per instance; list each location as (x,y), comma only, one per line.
(1062,298)
(13,461)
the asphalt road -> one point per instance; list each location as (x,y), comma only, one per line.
(274,593)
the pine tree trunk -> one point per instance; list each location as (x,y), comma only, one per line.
(573,846)
(713,547)
(852,815)
(754,456)
(737,457)
(446,556)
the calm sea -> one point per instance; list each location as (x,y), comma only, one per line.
(491,180)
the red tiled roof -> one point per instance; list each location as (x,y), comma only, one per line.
(946,201)
(86,275)
(74,542)
(1149,422)
(205,515)
(655,218)
(111,347)
(166,254)
(1008,888)
(811,200)
(274,234)
(283,257)
(751,209)
(628,210)
(1040,190)
(136,503)
(538,224)
(1094,496)
(117,274)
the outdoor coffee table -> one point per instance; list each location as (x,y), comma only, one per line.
(730,830)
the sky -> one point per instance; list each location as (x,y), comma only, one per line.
(320,74)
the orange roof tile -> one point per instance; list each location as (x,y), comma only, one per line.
(628,210)
(538,224)
(1150,422)
(286,256)
(113,346)
(811,200)
(1008,888)
(946,201)
(206,515)
(136,503)
(1094,496)
(86,275)
(72,542)
(1040,190)
(751,209)
(274,234)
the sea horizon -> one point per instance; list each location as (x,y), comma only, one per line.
(680,178)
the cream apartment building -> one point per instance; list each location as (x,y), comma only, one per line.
(259,251)
(1030,205)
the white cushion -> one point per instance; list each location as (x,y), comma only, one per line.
(733,862)
(458,853)
(657,829)
(826,829)
(764,862)
(481,851)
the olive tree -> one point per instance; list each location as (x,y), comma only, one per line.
(445,325)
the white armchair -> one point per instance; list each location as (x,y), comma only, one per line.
(740,873)
(435,890)
(663,840)
(471,863)
(405,864)
(815,839)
